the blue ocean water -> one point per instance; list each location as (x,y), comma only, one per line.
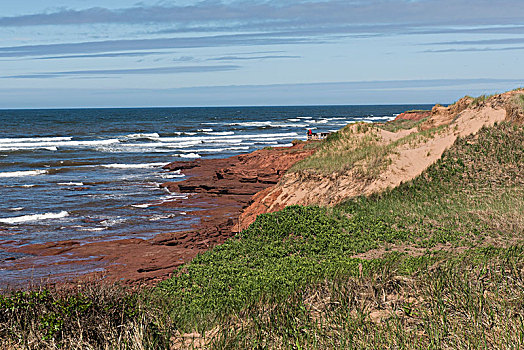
(94,174)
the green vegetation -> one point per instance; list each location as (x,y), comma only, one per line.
(96,317)
(475,190)
(354,146)
(401,124)
(519,99)
(471,301)
(477,101)
(437,262)
(416,111)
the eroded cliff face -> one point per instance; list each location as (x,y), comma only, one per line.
(405,155)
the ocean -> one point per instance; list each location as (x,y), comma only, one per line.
(94,174)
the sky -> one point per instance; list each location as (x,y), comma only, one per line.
(119,53)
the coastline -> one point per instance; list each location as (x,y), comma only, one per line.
(225,195)
(217,189)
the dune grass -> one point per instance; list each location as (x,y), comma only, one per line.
(519,99)
(401,124)
(343,149)
(359,148)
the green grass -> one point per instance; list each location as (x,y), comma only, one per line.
(435,263)
(344,150)
(401,124)
(354,147)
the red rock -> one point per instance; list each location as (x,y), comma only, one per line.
(413,115)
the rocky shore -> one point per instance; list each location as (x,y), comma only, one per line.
(218,190)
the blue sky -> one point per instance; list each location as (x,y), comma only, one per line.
(95,53)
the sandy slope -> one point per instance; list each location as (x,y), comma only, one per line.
(407,161)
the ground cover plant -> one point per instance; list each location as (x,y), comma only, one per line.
(437,262)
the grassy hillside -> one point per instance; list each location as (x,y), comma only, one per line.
(437,262)
(468,202)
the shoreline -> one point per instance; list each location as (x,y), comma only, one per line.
(219,190)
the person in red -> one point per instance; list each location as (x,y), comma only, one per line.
(309,133)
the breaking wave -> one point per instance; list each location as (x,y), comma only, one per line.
(34,217)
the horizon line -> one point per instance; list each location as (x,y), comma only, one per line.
(227,106)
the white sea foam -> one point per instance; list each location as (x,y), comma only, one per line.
(161,217)
(169,142)
(240,148)
(22,173)
(221,133)
(19,148)
(188,155)
(52,145)
(289,125)
(70,184)
(16,209)
(60,143)
(172,197)
(171,176)
(142,206)
(182,144)
(34,139)
(91,229)
(113,221)
(376,118)
(205,130)
(153,135)
(189,141)
(34,217)
(133,166)
(268,123)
